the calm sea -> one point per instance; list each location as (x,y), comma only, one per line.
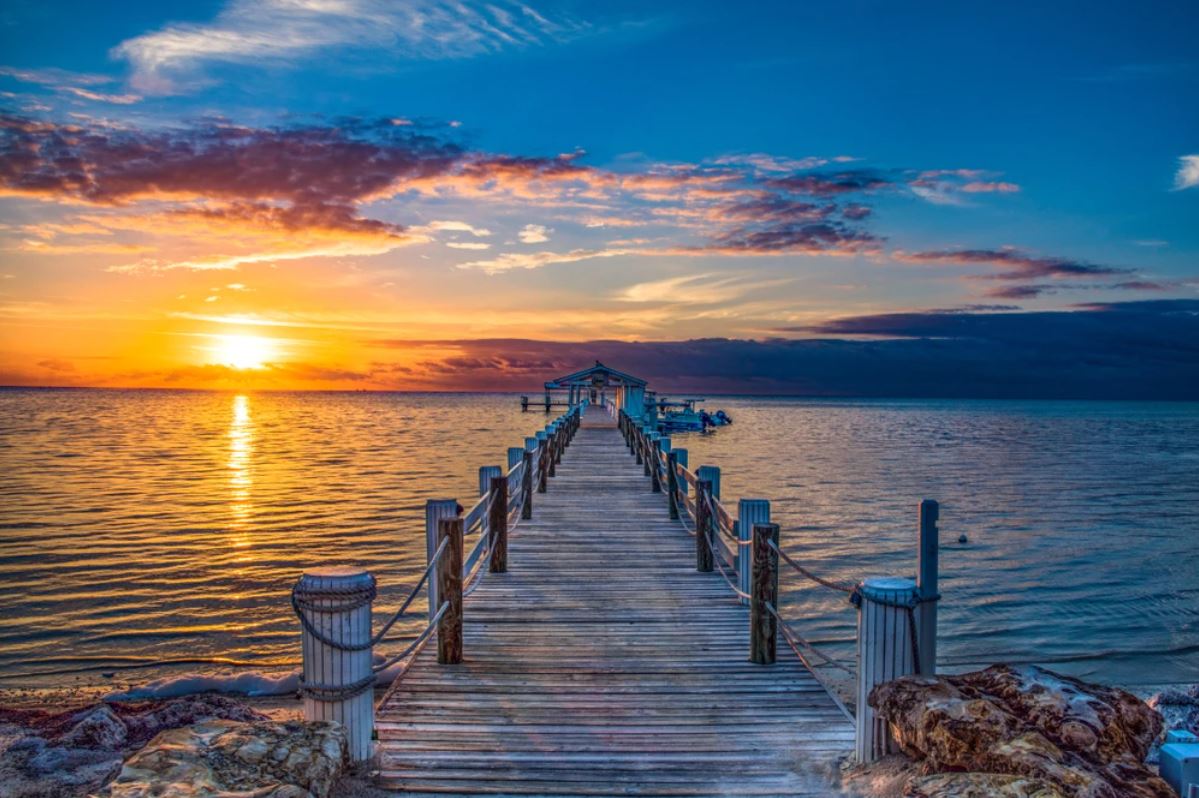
(146,533)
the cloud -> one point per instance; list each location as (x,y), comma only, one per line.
(1013,263)
(455,226)
(1188,172)
(1141,350)
(281,32)
(115,99)
(510,261)
(533,234)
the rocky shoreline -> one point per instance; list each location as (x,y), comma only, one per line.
(1002,731)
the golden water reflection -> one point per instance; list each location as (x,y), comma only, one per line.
(241,477)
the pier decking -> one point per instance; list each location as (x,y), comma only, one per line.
(603,663)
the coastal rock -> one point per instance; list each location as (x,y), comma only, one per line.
(1083,739)
(981,785)
(265,759)
(74,753)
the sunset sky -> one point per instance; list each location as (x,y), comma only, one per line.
(780,197)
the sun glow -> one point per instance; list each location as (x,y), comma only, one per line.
(242,351)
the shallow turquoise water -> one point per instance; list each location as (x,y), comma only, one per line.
(151,532)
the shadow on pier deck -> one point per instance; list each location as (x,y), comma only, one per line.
(603,663)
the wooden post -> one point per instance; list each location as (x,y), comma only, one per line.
(526,486)
(885,637)
(645,448)
(497,525)
(680,456)
(638,446)
(763,626)
(672,483)
(449,589)
(703,524)
(542,458)
(524,404)
(338,684)
(655,453)
(926,584)
(551,449)
(749,513)
(547,401)
(435,510)
(712,474)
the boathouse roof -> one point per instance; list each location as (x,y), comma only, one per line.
(599,373)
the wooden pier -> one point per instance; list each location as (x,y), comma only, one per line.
(603,663)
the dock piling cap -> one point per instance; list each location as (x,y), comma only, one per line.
(335,579)
(888,588)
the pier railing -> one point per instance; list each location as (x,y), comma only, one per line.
(897,617)
(333,605)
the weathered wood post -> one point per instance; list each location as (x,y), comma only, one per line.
(547,401)
(335,609)
(449,590)
(638,445)
(749,513)
(435,510)
(542,460)
(703,524)
(763,626)
(680,456)
(672,482)
(886,651)
(526,479)
(655,454)
(551,449)
(926,584)
(497,524)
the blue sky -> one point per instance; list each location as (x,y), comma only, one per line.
(826,160)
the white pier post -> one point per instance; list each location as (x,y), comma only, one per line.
(485,475)
(886,639)
(926,583)
(435,510)
(335,609)
(712,474)
(515,454)
(749,513)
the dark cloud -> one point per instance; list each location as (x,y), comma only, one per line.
(825,184)
(816,238)
(340,163)
(1014,264)
(1147,350)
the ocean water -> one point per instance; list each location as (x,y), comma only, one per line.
(145,534)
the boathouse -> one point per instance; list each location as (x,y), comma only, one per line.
(599,385)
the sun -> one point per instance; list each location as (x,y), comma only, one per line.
(242,351)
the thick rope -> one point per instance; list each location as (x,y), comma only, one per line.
(789,630)
(805,572)
(415,644)
(359,598)
(339,692)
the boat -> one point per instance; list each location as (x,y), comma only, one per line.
(681,415)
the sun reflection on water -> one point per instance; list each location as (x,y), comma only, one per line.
(241,477)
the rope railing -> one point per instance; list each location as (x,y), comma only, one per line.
(333,605)
(805,572)
(358,599)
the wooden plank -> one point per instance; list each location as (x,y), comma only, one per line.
(602,663)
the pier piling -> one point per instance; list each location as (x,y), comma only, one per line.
(763,627)
(334,605)
(449,591)
(926,583)
(887,649)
